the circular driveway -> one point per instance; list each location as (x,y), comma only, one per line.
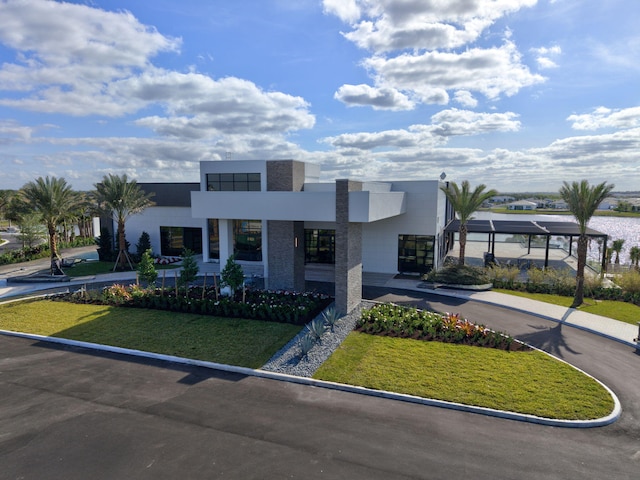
(73,413)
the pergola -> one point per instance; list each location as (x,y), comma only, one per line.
(530,229)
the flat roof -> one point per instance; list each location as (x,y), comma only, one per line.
(523,227)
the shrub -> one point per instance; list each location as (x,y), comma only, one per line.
(105,246)
(317,328)
(189,270)
(232,275)
(330,317)
(144,244)
(393,320)
(146,268)
(459,275)
(629,281)
(305,344)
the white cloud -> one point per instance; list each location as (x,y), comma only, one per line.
(603,117)
(465,98)
(69,55)
(444,125)
(492,72)
(378,98)
(345,10)
(545,56)
(388,25)
(414,46)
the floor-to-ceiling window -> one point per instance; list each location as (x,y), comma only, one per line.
(173,240)
(247,240)
(416,253)
(320,246)
(214,238)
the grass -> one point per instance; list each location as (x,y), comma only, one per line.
(623,311)
(524,382)
(84,269)
(246,343)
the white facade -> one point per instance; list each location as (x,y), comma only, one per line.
(386,210)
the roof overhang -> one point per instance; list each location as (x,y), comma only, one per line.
(364,206)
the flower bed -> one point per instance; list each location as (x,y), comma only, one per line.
(404,322)
(273,306)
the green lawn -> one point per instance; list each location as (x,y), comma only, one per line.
(623,311)
(246,343)
(525,382)
(85,269)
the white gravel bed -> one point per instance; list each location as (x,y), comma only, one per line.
(288,360)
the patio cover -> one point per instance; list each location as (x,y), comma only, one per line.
(529,228)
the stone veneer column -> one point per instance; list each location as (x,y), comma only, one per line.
(285,247)
(348,276)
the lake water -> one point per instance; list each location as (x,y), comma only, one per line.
(627,228)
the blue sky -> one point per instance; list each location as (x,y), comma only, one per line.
(517,94)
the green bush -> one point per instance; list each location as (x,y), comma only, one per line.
(459,275)
(274,306)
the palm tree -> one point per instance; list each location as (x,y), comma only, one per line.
(51,198)
(582,201)
(616,246)
(465,202)
(634,255)
(120,198)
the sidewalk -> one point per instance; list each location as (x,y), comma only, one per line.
(606,327)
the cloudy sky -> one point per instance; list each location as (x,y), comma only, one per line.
(517,94)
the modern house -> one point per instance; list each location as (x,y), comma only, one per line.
(522,205)
(276,217)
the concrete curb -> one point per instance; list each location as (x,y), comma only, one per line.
(600,422)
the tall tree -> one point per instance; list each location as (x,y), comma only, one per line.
(51,198)
(582,200)
(465,203)
(120,198)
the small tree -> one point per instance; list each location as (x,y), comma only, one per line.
(146,269)
(232,275)
(634,255)
(616,246)
(144,244)
(105,246)
(31,230)
(189,270)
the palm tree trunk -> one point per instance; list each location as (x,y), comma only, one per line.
(463,243)
(582,261)
(122,247)
(53,247)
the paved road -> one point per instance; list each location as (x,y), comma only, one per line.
(74,414)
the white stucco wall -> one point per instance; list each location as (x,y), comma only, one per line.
(424,215)
(151,219)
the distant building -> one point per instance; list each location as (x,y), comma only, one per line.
(522,205)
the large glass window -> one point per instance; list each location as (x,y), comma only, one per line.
(173,240)
(320,246)
(247,239)
(233,182)
(415,253)
(214,238)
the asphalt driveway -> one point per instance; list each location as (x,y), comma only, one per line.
(76,414)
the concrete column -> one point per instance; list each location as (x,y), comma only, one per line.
(225,228)
(348,268)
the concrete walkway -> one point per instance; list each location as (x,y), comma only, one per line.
(607,327)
